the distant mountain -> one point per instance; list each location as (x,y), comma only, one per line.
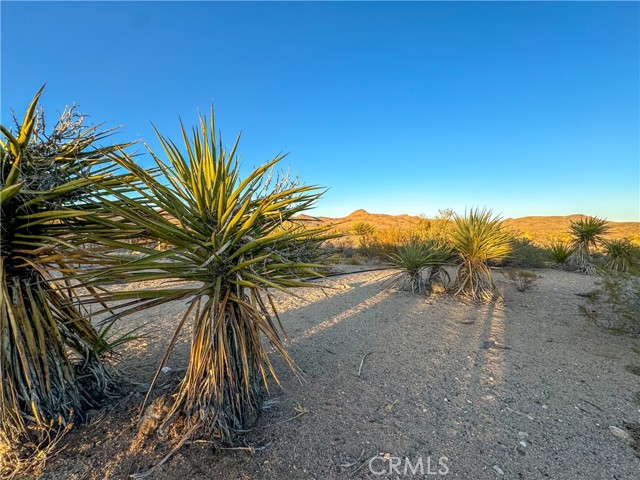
(541,228)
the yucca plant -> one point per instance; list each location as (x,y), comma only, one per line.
(421,264)
(560,252)
(233,239)
(51,364)
(478,238)
(364,233)
(586,234)
(619,254)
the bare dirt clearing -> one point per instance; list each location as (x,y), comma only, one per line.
(527,388)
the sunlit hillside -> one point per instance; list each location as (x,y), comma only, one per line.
(540,229)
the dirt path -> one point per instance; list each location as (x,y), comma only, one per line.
(522,389)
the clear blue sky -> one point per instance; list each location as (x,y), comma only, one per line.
(526,108)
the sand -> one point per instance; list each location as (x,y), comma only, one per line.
(525,388)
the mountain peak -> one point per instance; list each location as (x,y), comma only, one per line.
(360,211)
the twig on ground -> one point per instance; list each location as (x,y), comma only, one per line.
(352,464)
(592,404)
(362,363)
(151,471)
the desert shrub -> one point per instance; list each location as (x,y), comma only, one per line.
(477,239)
(560,252)
(525,254)
(416,258)
(523,280)
(619,255)
(52,364)
(231,239)
(615,303)
(586,234)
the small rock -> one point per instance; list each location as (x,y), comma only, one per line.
(166,369)
(498,470)
(523,435)
(523,444)
(621,434)
(545,406)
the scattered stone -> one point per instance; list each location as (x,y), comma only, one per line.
(166,369)
(498,470)
(523,435)
(621,434)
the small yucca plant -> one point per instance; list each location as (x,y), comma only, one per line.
(233,239)
(51,368)
(619,254)
(477,239)
(560,252)
(415,259)
(364,232)
(587,233)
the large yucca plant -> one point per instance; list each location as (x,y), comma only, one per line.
(50,354)
(478,238)
(586,234)
(421,264)
(233,239)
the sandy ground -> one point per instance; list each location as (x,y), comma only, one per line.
(527,388)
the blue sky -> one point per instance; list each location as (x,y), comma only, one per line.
(526,108)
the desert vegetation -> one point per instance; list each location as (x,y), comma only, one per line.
(421,265)
(620,255)
(478,239)
(53,359)
(235,239)
(586,235)
(523,280)
(560,252)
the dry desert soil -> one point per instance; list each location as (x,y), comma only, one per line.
(525,388)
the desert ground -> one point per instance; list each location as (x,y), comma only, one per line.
(527,388)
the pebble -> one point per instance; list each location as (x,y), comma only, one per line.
(166,369)
(621,434)
(498,470)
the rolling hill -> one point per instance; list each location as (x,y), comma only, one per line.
(538,228)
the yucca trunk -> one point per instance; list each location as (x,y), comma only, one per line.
(221,393)
(49,368)
(474,279)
